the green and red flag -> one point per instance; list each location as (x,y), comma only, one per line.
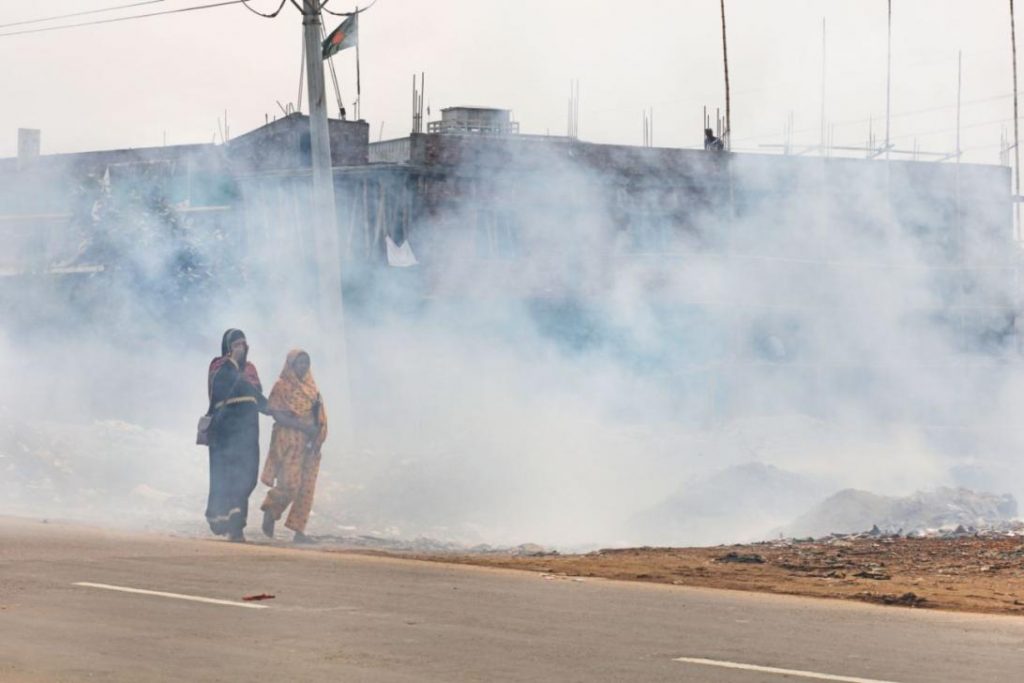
(346,35)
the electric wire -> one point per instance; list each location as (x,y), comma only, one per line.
(346,14)
(263,14)
(79,14)
(97,22)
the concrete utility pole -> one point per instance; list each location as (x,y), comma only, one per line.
(1016,130)
(325,227)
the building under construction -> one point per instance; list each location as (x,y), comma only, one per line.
(472,190)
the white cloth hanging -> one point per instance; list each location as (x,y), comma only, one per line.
(400,256)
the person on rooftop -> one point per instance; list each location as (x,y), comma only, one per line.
(712,143)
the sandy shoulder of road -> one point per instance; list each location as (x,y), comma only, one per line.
(970,574)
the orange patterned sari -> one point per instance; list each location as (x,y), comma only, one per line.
(293,461)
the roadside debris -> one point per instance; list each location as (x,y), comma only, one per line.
(908,599)
(259,596)
(561,577)
(873,571)
(742,558)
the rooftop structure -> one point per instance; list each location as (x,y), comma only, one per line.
(474,121)
(284,144)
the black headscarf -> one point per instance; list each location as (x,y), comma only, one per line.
(247,368)
(229,338)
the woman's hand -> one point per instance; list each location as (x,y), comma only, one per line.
(289,419)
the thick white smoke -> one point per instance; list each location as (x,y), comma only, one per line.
(602,367)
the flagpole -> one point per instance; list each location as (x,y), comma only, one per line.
(888,76)
(728,109)
(359,88)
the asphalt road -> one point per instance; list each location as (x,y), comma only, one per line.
(346,617)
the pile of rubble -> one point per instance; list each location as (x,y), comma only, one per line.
(944,511)
(1003,529)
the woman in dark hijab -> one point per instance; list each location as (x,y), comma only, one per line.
(236,400)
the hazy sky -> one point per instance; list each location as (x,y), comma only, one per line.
(128,84)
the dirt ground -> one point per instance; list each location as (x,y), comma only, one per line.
(970,573)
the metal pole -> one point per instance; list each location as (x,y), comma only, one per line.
(302,77)
(359,80)
(324,223)
(823,86)
(959,86)
(576,110)
(888,80)
(1016,132)
(725,61)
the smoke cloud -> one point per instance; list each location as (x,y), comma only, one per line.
(690,354)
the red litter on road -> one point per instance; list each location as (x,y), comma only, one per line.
(261,596)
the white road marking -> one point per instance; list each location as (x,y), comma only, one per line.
(179,596)
(773,670)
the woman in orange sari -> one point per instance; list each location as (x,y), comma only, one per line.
(293,461)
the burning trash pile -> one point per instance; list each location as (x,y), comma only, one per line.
(944,512)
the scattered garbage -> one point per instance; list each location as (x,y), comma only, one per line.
(743,558)
(561,577)
(873,571)
(907,599)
